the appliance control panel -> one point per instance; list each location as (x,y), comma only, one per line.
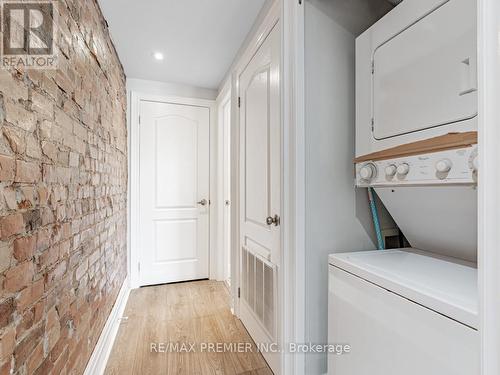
(457,166)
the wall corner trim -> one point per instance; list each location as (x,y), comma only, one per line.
(102,350)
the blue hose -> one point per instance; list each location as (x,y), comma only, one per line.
(376,222)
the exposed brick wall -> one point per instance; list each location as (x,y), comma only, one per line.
(63,185)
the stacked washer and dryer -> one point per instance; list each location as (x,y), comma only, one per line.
(414,311)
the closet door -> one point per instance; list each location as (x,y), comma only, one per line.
(260,194)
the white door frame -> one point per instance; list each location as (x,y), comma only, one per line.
(294,177)
(489,183)
(134,154)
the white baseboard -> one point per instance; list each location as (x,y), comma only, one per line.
(99,359)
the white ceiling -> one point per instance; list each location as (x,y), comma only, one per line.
(199,38)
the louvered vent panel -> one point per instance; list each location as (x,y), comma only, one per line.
(258,281)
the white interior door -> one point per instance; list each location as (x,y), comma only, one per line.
(260,194)
(174,193)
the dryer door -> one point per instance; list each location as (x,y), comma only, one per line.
(426,75)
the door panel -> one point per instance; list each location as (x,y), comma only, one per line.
(426,76)
(178,234)
(176,160)
(257,147)
(260,194)
(174,177)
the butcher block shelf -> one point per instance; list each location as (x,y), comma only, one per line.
(443,142)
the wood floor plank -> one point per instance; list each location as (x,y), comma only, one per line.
(261,371)
(178,316)
(234,332)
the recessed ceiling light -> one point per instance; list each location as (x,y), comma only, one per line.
(158,56)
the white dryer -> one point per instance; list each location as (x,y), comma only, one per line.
(403,312)
(416,74)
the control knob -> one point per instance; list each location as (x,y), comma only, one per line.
(390,170)
(403,169)
(368,171)
(444,165)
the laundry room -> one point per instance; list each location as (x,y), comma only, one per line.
(392,170)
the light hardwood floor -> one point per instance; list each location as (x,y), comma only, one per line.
(186,313)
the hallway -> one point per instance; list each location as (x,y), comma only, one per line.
(194,313)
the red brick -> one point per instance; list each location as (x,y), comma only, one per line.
(5,256)
(24,324)
(30,295)
(43,239)
(46,368)
(11,87)
(27,172)
(7,168)
(19,277)
(60,363)
(6,311)
(11,225)
(53,337)
(81,269)
(35,359)
(47,216)
(48,257)
(56,274)
(5,369)
(32,220)
(7,343)
(24,248)
(52,319)
(43,195)
(16,139)
(23,349)
(39,310)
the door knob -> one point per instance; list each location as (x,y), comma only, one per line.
(273,220)
(203,202)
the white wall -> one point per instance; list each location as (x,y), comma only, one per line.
(169,89)
(337,215)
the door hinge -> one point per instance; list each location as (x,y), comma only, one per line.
(239,102)
(139,267)
(300,2)
(373,124)
(239,292)
(139,120)
(373,66)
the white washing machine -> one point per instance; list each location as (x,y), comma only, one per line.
(410,311)
(403,312)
